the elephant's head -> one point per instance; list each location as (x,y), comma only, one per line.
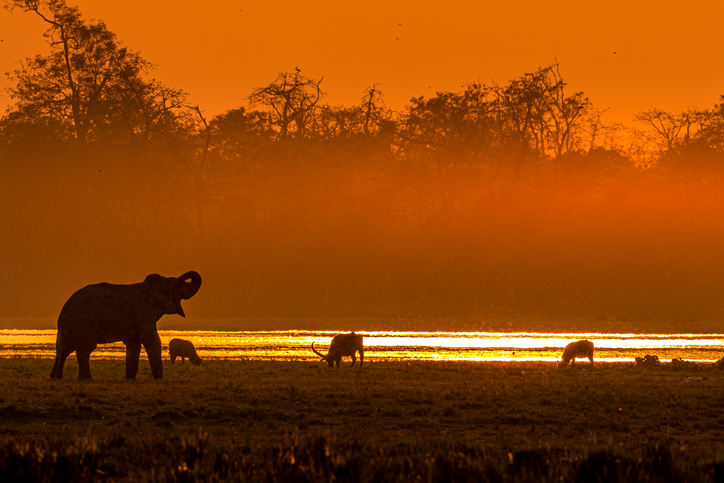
(168,292)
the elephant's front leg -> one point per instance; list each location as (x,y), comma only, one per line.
(83,357)
(152,344)
(83,353)
(133,352)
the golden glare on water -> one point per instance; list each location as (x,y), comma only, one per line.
(379,346)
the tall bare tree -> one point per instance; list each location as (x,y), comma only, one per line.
(541,115)
(291,101)
(670,131)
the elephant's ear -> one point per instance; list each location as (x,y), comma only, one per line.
(161,294)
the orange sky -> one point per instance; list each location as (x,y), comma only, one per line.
(627,56)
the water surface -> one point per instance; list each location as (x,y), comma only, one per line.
(390,345)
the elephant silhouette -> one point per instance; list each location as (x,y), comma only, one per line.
(105,313)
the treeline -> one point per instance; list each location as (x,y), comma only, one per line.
(510,199)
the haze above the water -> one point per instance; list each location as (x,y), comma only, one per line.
(457,169)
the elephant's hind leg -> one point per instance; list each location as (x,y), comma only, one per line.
(60,357)
(133,352)
(57,372)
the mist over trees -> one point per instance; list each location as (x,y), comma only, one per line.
(511,199)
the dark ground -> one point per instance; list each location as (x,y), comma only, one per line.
(259,421)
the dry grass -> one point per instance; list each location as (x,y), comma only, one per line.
(389,421)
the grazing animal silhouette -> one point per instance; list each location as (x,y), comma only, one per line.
(344,345)
(580,348)
(183,348)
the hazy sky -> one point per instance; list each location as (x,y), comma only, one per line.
(625,55)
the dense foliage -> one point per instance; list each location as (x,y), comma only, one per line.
(514,198)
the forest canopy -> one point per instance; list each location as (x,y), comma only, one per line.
(506,199)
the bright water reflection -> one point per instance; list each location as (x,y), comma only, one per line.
(470,346)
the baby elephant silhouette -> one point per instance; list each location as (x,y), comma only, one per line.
(183,348)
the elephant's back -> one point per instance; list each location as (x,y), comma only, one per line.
(89,301)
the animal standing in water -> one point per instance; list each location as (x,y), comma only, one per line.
(105,313)
(183,348)
(344,345)
(580,348)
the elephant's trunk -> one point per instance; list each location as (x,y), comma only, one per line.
(187,289)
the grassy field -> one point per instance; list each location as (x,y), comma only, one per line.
(302,421)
